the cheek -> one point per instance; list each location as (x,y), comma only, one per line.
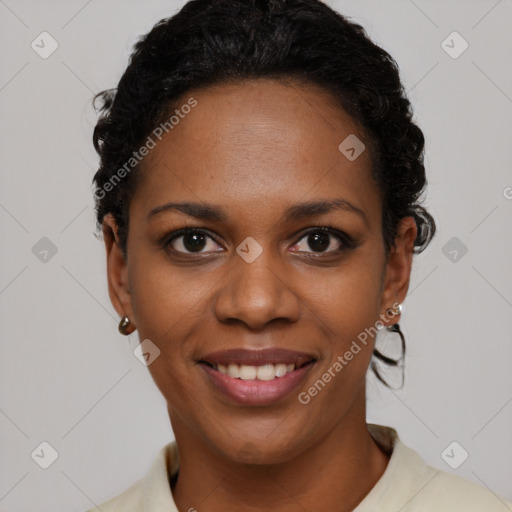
(348,303)
(166,300)
(348,307)
(168,304)
(349,297)
(168,308)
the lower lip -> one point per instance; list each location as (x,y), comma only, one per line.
(257,392)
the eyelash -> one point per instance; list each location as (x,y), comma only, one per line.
(346,241)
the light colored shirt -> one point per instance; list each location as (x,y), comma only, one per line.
(407,485)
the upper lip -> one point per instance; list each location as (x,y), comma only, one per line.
(258,357)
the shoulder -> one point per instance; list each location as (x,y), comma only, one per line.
(429,488)
(410,485)
(150,493)
(448,492)
(131,500)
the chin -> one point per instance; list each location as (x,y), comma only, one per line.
(260,449)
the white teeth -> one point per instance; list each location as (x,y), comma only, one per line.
(247,372)
(264,372)
(281,369)
(233,371)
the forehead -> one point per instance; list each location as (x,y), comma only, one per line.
(253,142)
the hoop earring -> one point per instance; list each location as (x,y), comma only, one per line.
(125,326)
(395,328)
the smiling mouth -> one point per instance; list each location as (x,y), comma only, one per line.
(265,372)
(257,377)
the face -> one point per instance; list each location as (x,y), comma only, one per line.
(261,268)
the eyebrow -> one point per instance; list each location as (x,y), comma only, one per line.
(295,212)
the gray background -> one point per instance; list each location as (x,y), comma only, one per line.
(67,377)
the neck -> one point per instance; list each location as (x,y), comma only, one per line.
(335,473)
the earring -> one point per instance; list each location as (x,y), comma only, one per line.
(125,326)
(395,328)
(395,310)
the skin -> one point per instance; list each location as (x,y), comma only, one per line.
(254,148)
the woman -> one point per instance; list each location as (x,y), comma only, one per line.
(258,194)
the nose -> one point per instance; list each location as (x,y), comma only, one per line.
(256,294)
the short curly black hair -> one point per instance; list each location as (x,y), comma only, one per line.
(209,42)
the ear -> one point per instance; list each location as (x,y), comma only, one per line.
(398,269)
(117,269)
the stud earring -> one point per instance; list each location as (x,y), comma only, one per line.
(395,310)
(125,326)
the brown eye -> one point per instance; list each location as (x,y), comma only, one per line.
(323,239)
(189,241)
